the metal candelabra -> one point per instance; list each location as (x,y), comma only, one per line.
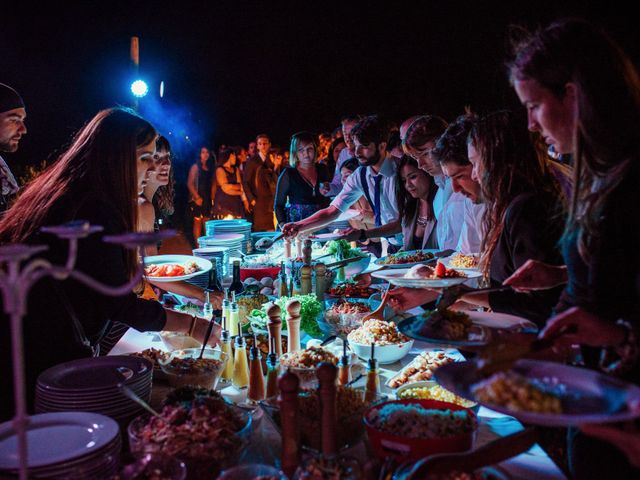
(19,272)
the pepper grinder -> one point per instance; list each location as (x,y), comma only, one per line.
(293,325)
(321,272)
(327,379)
(298,247)
(288,402)
(306,252)
(287,248)
(274,325)
(305,280)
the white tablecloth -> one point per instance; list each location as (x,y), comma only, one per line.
(533,464)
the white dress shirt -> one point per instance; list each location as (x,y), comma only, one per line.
(353,190)
(448,207)
(472,233)
(336,182)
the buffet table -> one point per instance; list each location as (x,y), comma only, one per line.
(266,441)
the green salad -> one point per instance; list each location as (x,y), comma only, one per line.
(342,250)
(309,312)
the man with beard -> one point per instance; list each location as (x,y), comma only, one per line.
(12,116)
(451,153)
(375,178)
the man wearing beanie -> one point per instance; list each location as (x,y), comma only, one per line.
(12,115)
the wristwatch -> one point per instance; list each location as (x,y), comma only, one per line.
(363,235)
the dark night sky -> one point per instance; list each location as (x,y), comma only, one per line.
(233,68)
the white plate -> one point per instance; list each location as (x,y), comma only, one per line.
(57,437)
(380,261)
(203,264)
(586,396)
(347,215)
(325,237)
(397,277)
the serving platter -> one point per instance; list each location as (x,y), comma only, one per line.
(382,261)
(203,264)
(397,278)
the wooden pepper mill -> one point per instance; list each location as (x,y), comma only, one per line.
(305,280)
(321,272)
(293,325)
(328,405)
(298,247)
(306,252)
(274,325)
(288,401)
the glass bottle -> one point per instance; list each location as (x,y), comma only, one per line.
(240,364)
(236,285)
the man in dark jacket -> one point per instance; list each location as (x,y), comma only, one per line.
(12,116)
(260,179)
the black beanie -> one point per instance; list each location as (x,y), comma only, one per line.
(9,99)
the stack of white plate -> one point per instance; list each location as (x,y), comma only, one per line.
(69,445)
(233,241)
(216,255)
(91,385)
(240,225)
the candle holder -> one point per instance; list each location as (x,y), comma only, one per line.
(19,271)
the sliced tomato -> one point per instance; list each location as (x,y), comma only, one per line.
(441,270)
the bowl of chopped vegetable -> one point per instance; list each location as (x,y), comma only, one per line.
(414,428)
(342,250)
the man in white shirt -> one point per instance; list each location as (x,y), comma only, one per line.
(12,127)
(448,206)
(350,152)
(451,154)
(375,178)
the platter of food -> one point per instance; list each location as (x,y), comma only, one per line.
(462,328)
(422,367)
(172,268)
(406,259)
(425,276)
(545,393)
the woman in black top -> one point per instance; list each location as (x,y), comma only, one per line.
(582,94)
(98,179)
(201,186)
(298,191)
(230,198)
(523,218)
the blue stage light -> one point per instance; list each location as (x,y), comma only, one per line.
(139,88)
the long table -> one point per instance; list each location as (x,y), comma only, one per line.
(534,463)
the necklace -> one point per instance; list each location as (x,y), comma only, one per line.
(308,182)
(422,221)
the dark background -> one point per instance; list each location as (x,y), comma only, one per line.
(233,69)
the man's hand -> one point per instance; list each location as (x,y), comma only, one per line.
(291,230)
(199,201)
(585,329)
(402,299)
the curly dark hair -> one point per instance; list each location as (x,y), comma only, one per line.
(371,129)
(163,199)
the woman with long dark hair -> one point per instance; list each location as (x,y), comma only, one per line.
(523,217)
(582,94)
(201,186)
(230,198)
(97,179)
(415,191)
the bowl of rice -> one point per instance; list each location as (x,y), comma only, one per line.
(390,344)
(414,428)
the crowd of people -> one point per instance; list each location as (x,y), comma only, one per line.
(560,229)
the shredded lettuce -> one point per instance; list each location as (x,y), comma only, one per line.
(309,312)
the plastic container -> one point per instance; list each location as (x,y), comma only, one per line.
(411,449)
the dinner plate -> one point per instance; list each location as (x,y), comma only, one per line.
(480,333)
(204,266)
(57,437)
(325,237)
(586,396)
(397,277)
(381,261)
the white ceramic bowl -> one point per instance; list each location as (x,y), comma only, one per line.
(384,353)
